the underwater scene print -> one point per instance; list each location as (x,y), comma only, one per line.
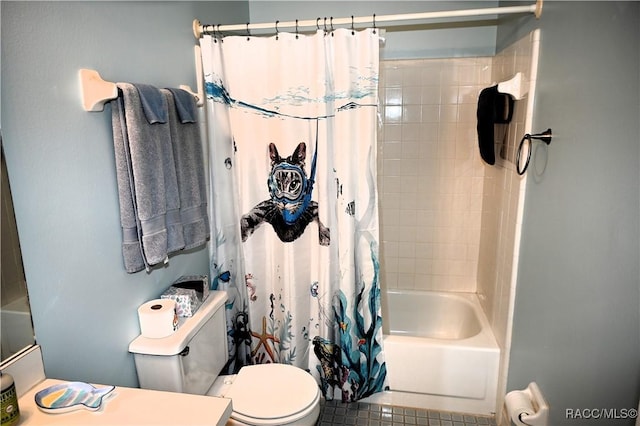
(298,144)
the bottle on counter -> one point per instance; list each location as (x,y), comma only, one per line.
(9,401)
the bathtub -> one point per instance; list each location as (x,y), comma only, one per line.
(16,328)
(440,353)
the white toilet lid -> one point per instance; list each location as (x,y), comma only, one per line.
(272,391)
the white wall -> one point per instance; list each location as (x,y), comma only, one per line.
(62,172)
(430,173)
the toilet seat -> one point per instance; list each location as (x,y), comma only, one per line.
(272,394)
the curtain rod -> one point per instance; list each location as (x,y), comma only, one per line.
(200,29)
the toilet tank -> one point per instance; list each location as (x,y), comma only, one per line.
(190,359)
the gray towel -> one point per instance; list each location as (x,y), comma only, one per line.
(131,248)
(147,184)
(188,156)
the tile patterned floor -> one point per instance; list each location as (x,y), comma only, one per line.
(359,413)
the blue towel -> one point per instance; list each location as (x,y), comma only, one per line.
(185,105)
(189,164)
(153,104)
(147,182)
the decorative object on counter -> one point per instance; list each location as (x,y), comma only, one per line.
(187,301)
(65,397)
(9,401)
(544,137)
(199,283)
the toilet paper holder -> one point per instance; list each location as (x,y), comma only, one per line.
(540,407)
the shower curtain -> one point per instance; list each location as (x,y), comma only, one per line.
(292,131)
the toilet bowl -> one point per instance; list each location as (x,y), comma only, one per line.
(270,394)
(190,361)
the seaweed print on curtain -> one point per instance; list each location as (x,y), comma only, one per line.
(292,127)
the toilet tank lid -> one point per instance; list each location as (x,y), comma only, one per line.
(187,328)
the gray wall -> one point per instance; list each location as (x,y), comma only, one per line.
(576,330)
(467,37)
(62,172)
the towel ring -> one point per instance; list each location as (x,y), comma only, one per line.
(544,137)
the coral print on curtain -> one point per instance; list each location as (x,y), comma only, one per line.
(292,130)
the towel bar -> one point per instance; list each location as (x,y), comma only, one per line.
(544,137)
(95,91)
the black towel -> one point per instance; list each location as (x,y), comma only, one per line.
(493,108)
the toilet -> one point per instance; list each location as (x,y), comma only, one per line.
(190,361)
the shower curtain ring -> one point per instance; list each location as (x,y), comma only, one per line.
(248,32)
(331,24)
(374,23)
(296,29)
(318,24)
(277,22)
(353,30)
(213,33)
(220,34)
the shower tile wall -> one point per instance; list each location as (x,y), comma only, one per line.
(430,177)
(503,198)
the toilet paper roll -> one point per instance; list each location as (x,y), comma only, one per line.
(518,404)
(158,318)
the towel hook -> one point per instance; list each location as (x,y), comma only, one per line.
(544,137)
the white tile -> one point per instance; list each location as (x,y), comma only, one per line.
(393,114)
(412,95)
(430,95)
(412,113)
(412,132)
(393,96)
(430,113)
(449,95)
(392,150)
(406,281)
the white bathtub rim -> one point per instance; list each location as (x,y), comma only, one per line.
(482,343)
(485,338)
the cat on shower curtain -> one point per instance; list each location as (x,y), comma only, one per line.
(290,209)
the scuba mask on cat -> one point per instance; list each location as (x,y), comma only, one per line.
(289,186)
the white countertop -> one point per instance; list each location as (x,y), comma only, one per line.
(131,406)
